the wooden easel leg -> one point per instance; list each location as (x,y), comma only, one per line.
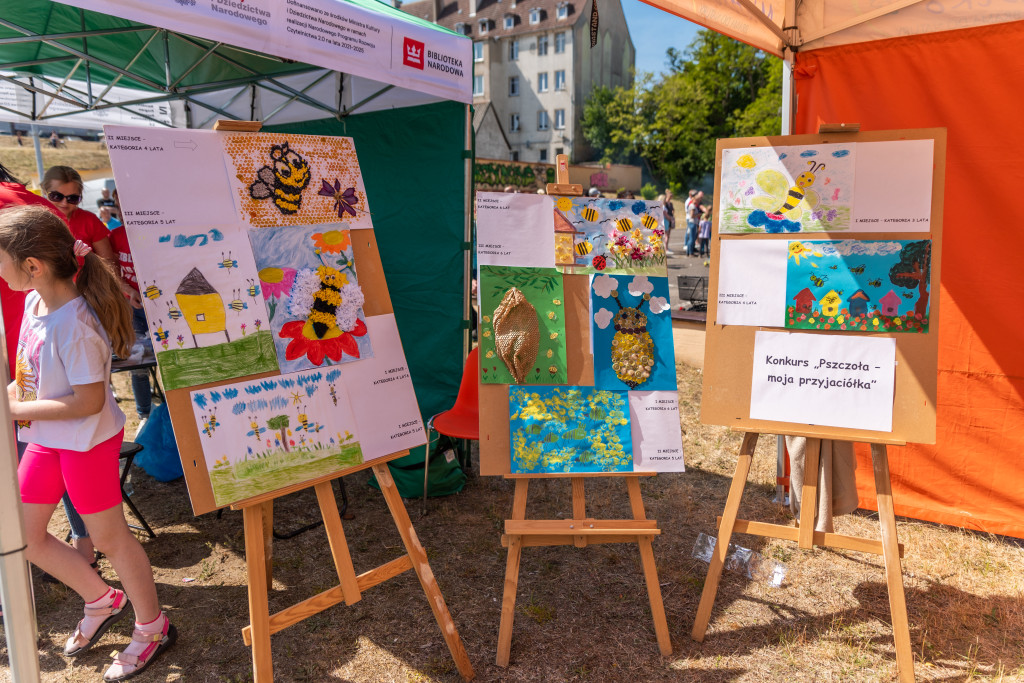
(636,503)
(809,493)
(253,518)
(422,568)
(508,599)
(732,507)
(268,541)
(579,507)
(893,568)
(339,546)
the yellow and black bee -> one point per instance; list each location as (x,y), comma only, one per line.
(227,262)
(237,305)
(284,181)
(649,221)
(796,193)
(857,270)
(326,300)
(875,283)
(334,394)
(624,224)
(632,345)
(589,213)
(253,289)
(210,424)
(583,248)
(818,281)
(303,420)
(173,312)
(152,292)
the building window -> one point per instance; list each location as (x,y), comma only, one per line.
(513,124)
(543,155)
(563,10)
(560,79)
(542,82)
(478,52)
(513,50)
(515,155)
(513,86)
(559,150)
(462,28)
(542,46)
(560,119)
(535,16)
(478,85)
(485,24)
(510,21)
(542,120)
(559,43)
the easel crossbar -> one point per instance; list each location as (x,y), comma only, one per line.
(823,539)
(330,597)
(582,527)
(541,540)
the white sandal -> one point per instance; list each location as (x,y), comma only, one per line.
(127,665)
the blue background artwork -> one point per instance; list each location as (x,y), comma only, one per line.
(630,294)
(287,259)
(569,429)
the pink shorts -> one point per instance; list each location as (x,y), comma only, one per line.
(90,478)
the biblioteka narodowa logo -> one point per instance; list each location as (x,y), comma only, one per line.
(416,55)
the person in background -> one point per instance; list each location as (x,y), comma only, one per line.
(670,221)
(54,140)
(704,233)
(17,135)
(67,413)
(141,388)
(107,218)
(693,213)
(107,200)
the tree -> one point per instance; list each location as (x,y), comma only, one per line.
(281,423)
(914,270)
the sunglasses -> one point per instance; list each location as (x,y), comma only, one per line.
(57,197)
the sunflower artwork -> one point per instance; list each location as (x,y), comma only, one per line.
(314,301)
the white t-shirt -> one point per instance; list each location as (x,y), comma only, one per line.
(56,351)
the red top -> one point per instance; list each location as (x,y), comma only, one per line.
(86,226)
(13,303)
(119,241)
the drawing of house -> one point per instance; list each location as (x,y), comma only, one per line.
(804,301)
(859,303)
(565,235)
(201,305)
(830,303)
(890,304)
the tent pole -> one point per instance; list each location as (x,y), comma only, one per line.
(39,153)
(467,231)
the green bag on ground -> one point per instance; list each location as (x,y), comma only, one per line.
(446,477)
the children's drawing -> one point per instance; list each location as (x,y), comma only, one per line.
(264,435)
(522,338)
(314,302)
(569,429)
(805,188)
(618,236)
(858,285)
(296,179)
(202,325)
(632,333)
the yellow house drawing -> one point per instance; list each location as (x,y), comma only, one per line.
(830,303)
(201,305)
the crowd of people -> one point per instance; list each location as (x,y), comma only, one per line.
(67,285)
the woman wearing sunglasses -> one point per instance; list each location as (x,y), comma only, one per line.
(62,185)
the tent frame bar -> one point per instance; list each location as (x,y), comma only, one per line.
(31,38)
(859,19)
(768,23)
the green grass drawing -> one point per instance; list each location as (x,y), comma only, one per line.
(248,355)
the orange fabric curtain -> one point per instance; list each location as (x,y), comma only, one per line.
(970,81)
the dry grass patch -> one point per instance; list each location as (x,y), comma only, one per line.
(83,156)
(582,614)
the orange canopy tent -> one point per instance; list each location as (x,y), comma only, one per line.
(915,64)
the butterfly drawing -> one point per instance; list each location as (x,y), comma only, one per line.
(343,201)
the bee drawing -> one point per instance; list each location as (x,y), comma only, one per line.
(818,281)
(875,283)
(624,224)
(334,394)
(227,262)
(583,248)
(857,270)
(326,300)
(255,429)
(210,424)
(284,180)
(253,289)
(781,202)
(632,346)
(173,312)
(303,419)
(649,221)
(237,305)
(161,334)
(908,295)
(152,291)
(589,213)
(833,267)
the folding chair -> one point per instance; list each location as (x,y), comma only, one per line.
(128,451)
(462,421)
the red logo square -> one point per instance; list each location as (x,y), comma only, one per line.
(412,53)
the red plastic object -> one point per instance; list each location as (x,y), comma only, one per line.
(463,420)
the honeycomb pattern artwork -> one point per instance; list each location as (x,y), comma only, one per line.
(281,179)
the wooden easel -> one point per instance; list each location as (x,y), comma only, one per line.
(580,530)
(257,515)
(806,537)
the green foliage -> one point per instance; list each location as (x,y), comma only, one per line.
(717,88)
(649,191)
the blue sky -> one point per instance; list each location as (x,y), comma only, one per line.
(654,31)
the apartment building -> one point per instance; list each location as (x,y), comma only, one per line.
(533,69)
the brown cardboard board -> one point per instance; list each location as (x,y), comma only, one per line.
(729,352)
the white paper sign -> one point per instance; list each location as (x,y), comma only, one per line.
(382,394)
(657,435)
(515,230)
(170,178)
(752,283)
(894,186)
(829,380)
